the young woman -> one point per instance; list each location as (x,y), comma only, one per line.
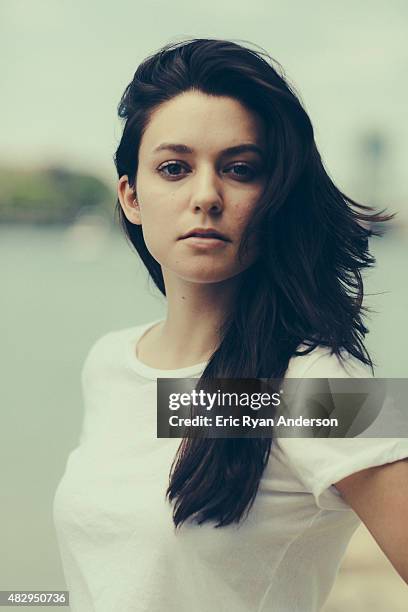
(224,196)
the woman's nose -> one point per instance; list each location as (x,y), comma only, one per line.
(207,191)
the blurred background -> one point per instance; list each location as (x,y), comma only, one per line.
(67,273)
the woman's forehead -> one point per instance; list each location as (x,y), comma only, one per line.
(198,120)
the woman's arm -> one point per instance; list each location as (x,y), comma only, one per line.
(379,496)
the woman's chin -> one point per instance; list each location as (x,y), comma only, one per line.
(202,275)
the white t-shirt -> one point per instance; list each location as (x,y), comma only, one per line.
(119,548)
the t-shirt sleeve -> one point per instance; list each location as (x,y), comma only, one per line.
(321,462)
(95,374)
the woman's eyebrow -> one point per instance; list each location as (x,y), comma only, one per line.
(237,149)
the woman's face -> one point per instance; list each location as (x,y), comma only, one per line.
(197,184)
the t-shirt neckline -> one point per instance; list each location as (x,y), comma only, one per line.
(153,373)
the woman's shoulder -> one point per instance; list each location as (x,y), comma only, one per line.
(112,337)
(110,346)
(322,362)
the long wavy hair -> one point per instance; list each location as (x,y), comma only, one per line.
(305,288)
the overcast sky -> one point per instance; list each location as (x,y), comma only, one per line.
(65,64)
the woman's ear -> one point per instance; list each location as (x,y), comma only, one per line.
(128,201)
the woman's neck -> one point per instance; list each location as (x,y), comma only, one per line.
(190,332)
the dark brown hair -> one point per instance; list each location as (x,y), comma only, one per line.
(305,287)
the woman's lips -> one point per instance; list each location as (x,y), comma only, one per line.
(200,242)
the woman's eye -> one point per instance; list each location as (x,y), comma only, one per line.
(169,166)
(244,171)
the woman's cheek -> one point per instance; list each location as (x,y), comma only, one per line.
(156,248)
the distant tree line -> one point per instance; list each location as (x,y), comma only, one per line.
(51,195)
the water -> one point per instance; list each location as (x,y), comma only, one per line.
(57,298)
(60,291)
